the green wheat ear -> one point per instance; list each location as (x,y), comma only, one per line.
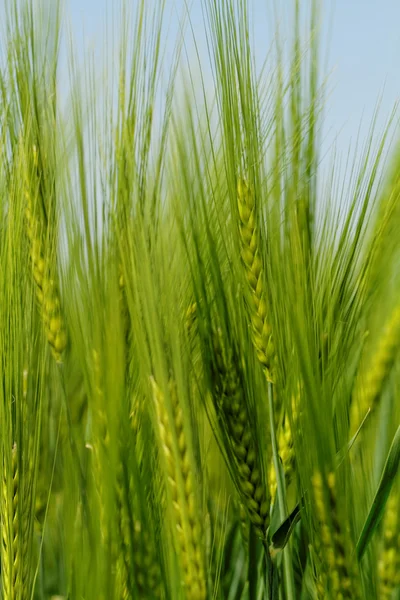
(47,293)
(10,524)
(252,261)
(231,408)
(342,573)
(389,560)
(369,383)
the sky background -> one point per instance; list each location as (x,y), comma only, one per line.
(362,36)
(361,50)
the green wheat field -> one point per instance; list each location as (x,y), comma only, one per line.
(199,319)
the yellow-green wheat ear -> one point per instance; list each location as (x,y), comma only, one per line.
(369,384)
(10,559)
(287,456)
(255,274)
(181,483)
(389,560)
(146,564)
(336,557)
(286,448)
(46,288)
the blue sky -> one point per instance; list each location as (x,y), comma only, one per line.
(363,38)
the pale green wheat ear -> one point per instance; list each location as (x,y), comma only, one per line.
(287,456)
(371,379)
(286,448)
(258,313)
(255,275)
(389,558)
(10,525)
(181,482)
(339,574)
(42,263)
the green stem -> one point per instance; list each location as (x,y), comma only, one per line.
(270,574)
(287,562)
(252,566)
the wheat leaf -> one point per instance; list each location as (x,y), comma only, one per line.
(381,496)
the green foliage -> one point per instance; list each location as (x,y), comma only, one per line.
(198,339)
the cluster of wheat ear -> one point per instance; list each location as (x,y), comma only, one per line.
(183,391)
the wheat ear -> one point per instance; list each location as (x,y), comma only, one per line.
(369,385)
(342,576)
(230,404)
(255,274)
(10,558)
(178,465)
(389,561)
(46,288)
(261,328)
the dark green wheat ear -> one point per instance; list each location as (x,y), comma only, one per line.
(389,558)
(230,406)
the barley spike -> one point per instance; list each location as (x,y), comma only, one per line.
(228,397)
(252,261)
(181,485)
(343,578)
